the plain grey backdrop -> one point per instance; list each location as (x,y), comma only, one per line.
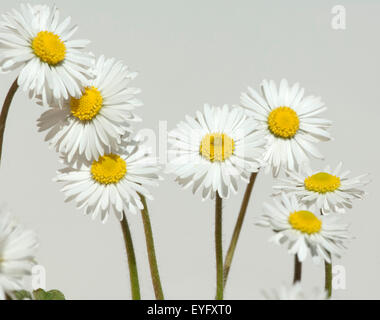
(188,53)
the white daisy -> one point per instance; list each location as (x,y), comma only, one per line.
(330,190)
(290,122)
(306,232)
(112,183)
(93,124)
(295,292)
(17,250)
(52,65)
(214,149)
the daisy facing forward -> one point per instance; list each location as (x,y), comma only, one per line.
(113,183)
(330,190)
(52,65)
(17,249)
(210,152)
(290,121)
(306,232)
(93,124)
(117,183)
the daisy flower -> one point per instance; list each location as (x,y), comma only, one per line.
(214,149)
(52,64)
(93,124)
(330,190)
(306,232)
(295,292)
(290,122)
(113,183)
(17,249)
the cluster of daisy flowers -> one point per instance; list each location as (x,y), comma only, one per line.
(107,170)
(305,211)
(88,121)
(275,130)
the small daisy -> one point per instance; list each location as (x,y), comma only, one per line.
(112,183)
(330,190)
(17,250)
(295,292)
(93,124)
(214,149)
(52,65)
(306,231)
(290,121)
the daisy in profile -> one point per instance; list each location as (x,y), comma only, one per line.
(17,250)
(113,183)
(213,150)
(290,121)
(52,64)
(305,232)
(296,292)
(93,124)
(330,190)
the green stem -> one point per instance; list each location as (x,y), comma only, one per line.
(297,270)
(133,274)
(4,112)
(151,251)
(218,247)
(328,278)
(328,274)
(238,226)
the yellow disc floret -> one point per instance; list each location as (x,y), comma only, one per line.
(283,122)
(49,47)
(88,105)
(109,169)
(305,221)
(216,147)
(322,182)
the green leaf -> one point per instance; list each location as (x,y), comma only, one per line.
(22,294)
(41,294)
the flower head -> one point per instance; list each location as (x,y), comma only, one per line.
(17,249)
(304,229)
(212,150)
(52,64)
(290,122)
(329,190)
(93,123)
(113,183)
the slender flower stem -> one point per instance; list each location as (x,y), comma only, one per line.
(328,274)
(4,112)
(218,248)
(297,269)
(133,274)
(151,251)
(238,226)
(328,278)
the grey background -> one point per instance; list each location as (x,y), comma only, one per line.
(189,53)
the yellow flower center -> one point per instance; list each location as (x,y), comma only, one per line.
(283,122)
(49,47)
(109,169)
(216,147)
(305,221)
(88,105)
(322,182)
